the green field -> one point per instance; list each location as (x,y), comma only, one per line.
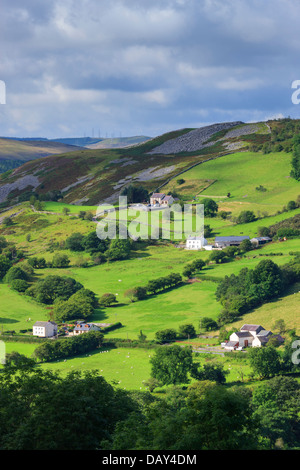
(58,207)
(187,303)
(127,368)
(239,174)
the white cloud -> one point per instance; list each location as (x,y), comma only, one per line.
(127,64)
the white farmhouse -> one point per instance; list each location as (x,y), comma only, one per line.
(250,335)
(195,243)
(44,329)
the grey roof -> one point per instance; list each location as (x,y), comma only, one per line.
(250,327)
(158,195)
(263,339)
(190,237)
(243,334)
(231,344)
(264,333)
(84,326)
(232,238)
(44,323)
(261,238)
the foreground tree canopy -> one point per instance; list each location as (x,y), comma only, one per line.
(98,416)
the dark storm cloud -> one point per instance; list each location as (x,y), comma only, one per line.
(145,65)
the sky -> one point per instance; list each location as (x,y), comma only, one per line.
(117,68)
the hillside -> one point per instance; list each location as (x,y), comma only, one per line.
(15,152)
(118,142)
(91,176)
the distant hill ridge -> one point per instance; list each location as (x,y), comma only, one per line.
(90,176)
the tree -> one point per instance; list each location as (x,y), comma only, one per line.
(93,244)
(295,162)
(75,242)
(60,261)
(37,263)
(81,214)
(38,205)
(66,210)
(263,231)
(52,287)
(84,402)
(187,330)
(152,384)
(167,335)
(72,309)
(19,285)
(208,324)
(136,293)
(246,245)
(264,361)
(218,256)
(192,268)
(291,205)
(142,337)
(207,231)
(119,249)
(171,365)
(280,326)
(269,277)
(210,207)
(108,299)
(86,295)
(135,194)
(3,243)
(276,403)
(212,371)
(5,265)
(246,217)
(15,361)
(231,251)
(15,272)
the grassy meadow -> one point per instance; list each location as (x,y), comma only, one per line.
(42,234)
(240,174)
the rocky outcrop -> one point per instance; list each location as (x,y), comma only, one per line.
(193,140)
(21,183)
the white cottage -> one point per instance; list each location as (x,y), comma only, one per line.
(250,335)
(44,329)
(195,243)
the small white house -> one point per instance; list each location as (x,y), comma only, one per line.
(44,329)
(195,243)
(162,199)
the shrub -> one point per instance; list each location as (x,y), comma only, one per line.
(167,335)
(19,285)
(15,272)
(246,217)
